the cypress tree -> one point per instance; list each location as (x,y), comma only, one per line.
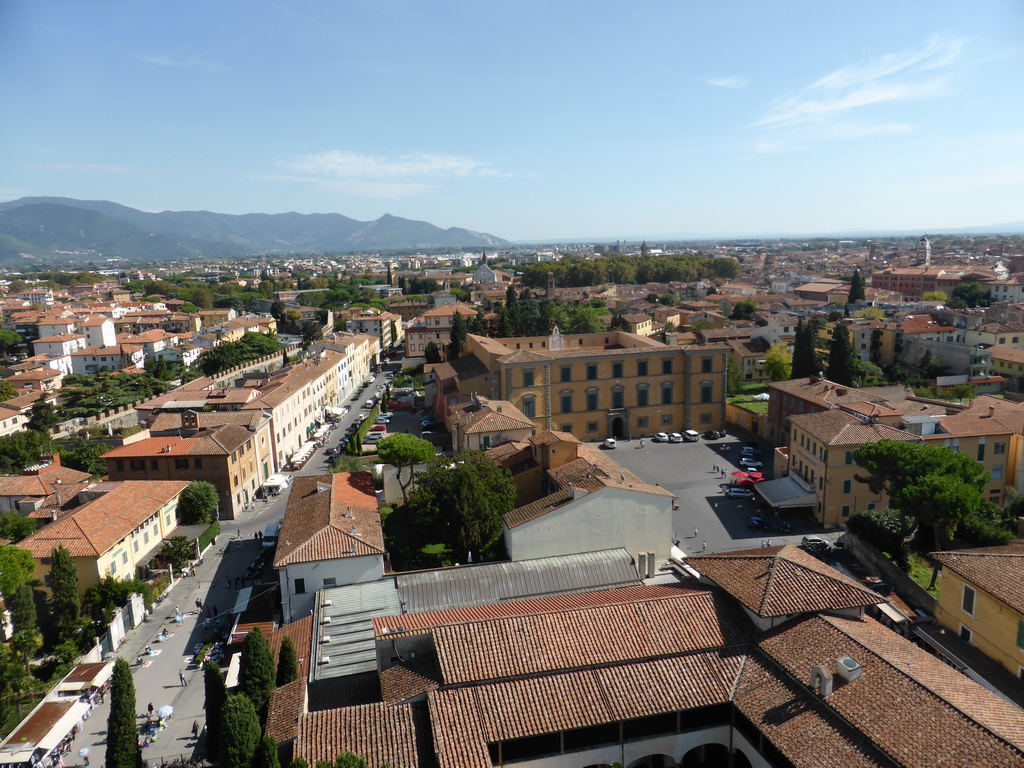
(216,694)
(22,605)
(64,604)
(256,670)
(805,359)
(241,733)
(287,663)
(266,754)
(856,288)
(842,360)
(122,735)
(457,336)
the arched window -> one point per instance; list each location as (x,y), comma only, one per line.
(565,397)
(666,393)
(707,391)
(643,395)
(529,406)
(618,397)
(592,399)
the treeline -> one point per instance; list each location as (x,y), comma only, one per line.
(617,268)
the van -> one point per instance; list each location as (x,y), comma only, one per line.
(691,436)
(271,535)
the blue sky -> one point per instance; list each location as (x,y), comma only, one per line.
(529,120)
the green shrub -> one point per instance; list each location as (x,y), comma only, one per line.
(883,529)
(209,535)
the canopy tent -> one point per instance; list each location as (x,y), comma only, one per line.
(86,676)
(335,411)
(276,481)
(785,493)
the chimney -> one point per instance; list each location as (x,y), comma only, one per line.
(991,411)
(641,565)
(650,565)
(821,682)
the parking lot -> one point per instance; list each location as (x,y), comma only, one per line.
(688,470)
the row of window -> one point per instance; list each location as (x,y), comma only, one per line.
(618,398)
(138,465)
(618,370)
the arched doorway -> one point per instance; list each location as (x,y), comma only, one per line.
(618,428)
(654,761)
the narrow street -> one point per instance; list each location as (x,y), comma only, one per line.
(157,681)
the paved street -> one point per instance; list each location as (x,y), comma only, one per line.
(213,584)
(686,469)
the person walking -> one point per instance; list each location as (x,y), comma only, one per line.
(181,677)
(199,605)
(195,729)
(704,547)
(150,709)
(695,533)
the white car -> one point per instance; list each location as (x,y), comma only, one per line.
(609,443)
(739,493)
(661,437)
(385,415)
(375,437)
(675,437)
(751,463)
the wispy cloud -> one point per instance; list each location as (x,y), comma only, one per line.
(194,62)
(392,177)
(728,82)
(838,105)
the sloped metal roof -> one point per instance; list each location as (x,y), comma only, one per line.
(343,642)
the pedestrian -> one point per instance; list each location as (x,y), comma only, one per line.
(228,580)
(181,677)
(199,604)
(86,759)
(195,729)
(239,533)
(704,547)
(236,582)
(695,533)
(209,612)
(768,543)
(150,709)
(215,611)
(256,535)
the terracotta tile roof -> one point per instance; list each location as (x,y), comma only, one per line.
(827,393)
(330,517)
(96,526)
(782,581)
(301,634)
(416,622)
(285,710)
(407,680)
(838,428)
(996,570)
(379,733)
(943,719)
(1008,354)
(573,639)
(538,508)
(60,337)
(484,415)
(986,415)
(171,422)
(552,436)
(220,441)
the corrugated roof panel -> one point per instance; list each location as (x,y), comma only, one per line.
(351,647)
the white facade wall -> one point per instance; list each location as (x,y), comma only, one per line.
(100,335)
(345,571)
(637,521)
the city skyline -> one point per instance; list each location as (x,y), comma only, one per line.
(529,122)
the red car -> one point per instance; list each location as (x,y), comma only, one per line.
(379,428)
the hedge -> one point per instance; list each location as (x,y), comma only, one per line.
(209,535)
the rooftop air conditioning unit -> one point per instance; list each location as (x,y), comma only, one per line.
(848,668)
(325,659)
(325,639)
(328,603)
(327,620)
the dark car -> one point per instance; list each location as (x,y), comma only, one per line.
(711,434)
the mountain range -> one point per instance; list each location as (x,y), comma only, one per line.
(49,229)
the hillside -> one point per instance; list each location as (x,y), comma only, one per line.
(51,227)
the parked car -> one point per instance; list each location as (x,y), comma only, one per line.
(374,437)
(675,437)
(368,404)
(760,522)
(748,451)
(739,493)
(691,436)
(661,437)
(609,443)
(379,428)
(385,415)
(815,543)
(712,434)
(751,463)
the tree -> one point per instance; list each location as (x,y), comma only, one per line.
(198,502)
(122,733)
(778,362)
(935,296)
(43,416)
(805,358)
(9,340)
(457,337)
(971,294)
(402,450)
(266,754)
(256,670)
(25,644)
(843,364)
(22,605)
(743,310)
(458,503)
(241,732)
(311,332)
(178,551)
(287,663)
(7,391)
(16,569)
(856,288)
(432,354)
(734,374)
(16,527)
(85,456)
(64,604)
(216,694)
(585,320)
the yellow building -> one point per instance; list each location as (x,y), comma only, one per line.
(114,534)
(821,447)
(1008,362)
(982,600)
(611,384)
(996,334)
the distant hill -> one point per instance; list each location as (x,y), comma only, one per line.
(50,228)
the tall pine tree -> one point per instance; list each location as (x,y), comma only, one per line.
(64,605)
(22,605)
(457,336)
(122,733)
(287,663)
(216,694)
(805,359)
(256,670)
(843,364)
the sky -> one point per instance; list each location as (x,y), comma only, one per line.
(533,120)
